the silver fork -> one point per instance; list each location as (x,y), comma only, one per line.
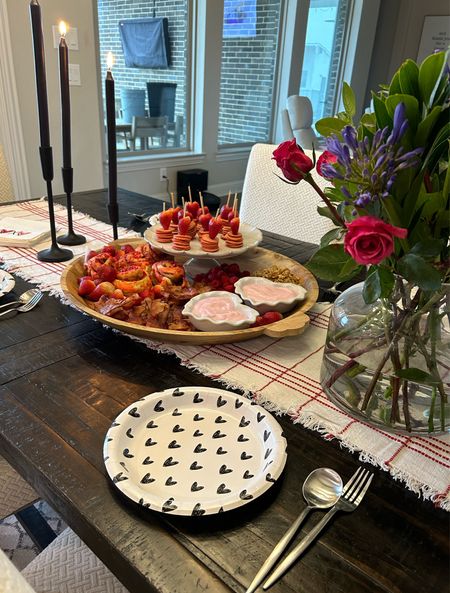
(27,307)
(352,495)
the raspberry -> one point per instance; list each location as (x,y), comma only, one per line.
(229,287)
(233,279)
(234,269)
(215,284)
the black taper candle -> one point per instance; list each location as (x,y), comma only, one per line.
(53,253)
(71,238)
(112,151)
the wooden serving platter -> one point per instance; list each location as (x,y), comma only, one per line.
(254,259)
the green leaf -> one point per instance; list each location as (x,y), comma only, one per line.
(426,125)
(330,125)
(415,269)
(372,286)
(333,263)
(324,211)
(379,283)
(409,78)
(395,87)
(330,236)
(334,193)
(411,106)
(430,73)
(348,98)
(428,249)
(416,375)
(383,118)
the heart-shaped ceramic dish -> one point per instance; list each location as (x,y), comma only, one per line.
(219,311)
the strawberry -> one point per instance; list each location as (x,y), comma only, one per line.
(193,208)
(272,317)
(232,214)
(110,249)
(175,214)
(107,273)
(204,220)
(183,214)
(234,225)
(86,286)
(214,227)
(100,290)
(117,294)
(204,210)
(91,253)
(183,225)
(224,212)
(165,218)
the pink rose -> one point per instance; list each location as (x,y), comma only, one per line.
(369,240)
(326,157)
(293,162)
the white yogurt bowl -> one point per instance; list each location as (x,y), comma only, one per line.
(264,295)
(219,311)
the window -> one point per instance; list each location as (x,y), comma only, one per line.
(249,49)
(150,102)
(327,21)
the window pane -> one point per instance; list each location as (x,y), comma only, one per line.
(324,37)
(136,92)
(250,37)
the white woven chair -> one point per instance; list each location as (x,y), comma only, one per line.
(272,205)
(6,188)
(67,565)
(15,493)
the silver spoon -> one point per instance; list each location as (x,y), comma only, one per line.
(321,490)
(23,298)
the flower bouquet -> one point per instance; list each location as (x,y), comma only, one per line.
(387,354)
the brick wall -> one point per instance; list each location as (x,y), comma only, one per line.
(247,79)
(247,63)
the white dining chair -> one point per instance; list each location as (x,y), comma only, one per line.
(297,122)
(15,493)
(67,565)
(275,206)
(6,188)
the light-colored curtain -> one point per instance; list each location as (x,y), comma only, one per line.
(6,189)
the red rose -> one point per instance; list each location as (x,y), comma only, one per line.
(293,162)
(369,240)
(325,157)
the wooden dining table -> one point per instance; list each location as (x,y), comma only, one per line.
(65,377)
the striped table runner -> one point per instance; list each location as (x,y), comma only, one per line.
(281,374)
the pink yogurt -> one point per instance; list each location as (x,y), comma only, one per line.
(267,293)
(218,308)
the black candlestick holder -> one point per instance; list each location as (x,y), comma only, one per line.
(70,238)
(54,253)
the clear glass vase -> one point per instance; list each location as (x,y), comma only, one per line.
(389,362)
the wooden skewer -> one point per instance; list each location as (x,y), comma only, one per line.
(234,202)
(228,197)
(237,207)
(172,199)
(201,201)
(183,203)
(164,206)
(190,193)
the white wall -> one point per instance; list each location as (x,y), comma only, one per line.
(86,127)
(399,30)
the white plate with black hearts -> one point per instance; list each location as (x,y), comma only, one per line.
(194,451)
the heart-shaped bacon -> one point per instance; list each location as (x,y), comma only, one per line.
(165,218)
(234,225)
(214,227)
